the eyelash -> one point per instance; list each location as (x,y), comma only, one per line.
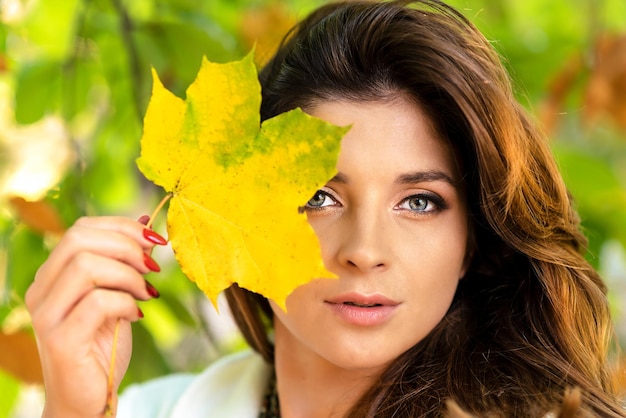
(310,208)
(430,198)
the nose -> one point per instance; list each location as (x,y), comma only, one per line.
(362,245)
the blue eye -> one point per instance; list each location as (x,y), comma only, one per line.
(423,203)
(319,200)
(418,203)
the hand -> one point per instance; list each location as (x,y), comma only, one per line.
(91,280)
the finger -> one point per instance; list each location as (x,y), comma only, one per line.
(92,321)
(126,226)
(109,243)
(86,273)
(150,238)
(98,308)
(81,345)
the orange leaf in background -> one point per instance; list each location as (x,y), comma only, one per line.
(237,184)
(38,215)
(264,28)
(19,357)
(3,63)
(606,91)
(558,89)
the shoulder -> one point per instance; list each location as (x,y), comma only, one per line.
(231,386)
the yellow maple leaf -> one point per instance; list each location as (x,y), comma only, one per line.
(236,184)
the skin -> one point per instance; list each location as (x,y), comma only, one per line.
(385,232)
(93,277)
(401,240)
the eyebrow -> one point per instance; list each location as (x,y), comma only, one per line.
(409,178)
(425,176)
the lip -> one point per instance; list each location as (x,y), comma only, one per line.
(363,310)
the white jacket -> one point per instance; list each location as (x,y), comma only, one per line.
(232,387)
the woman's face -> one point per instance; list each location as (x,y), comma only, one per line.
(392,226)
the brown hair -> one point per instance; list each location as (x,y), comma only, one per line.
(530,318)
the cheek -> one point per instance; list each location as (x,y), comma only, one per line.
(297,326)
(433,271)
(451,247)
(428,298)
(328,230)
(299,304)
(438,254)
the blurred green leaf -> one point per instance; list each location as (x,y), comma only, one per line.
(599,195)
(50,26)
(176,50)
(9,388)
(179,310)
(3,40)
(150,363)
(82,86)
(111,177)
(37,90)
(26,252)
(5,310)
(69,197)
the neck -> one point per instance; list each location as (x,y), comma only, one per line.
(311,387)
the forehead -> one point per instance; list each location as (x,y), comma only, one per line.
(395,135)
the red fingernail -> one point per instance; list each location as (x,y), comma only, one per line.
(144,219)
(150,263)
(152,290)
(153,237)
(139,313)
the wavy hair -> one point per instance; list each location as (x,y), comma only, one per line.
(530,319)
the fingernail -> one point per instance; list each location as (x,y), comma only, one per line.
(150,263)
(144,219)
(139,313)
(153,237)
(152,290)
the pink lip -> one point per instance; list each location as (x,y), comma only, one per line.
(363,310)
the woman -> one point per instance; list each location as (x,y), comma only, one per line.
(456,246)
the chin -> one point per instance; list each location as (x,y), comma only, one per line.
(362,360)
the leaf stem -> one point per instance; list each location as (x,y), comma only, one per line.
(158,209)
(108,409)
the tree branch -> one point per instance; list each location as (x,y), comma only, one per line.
(126,29)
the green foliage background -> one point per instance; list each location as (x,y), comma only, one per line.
(87,63)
